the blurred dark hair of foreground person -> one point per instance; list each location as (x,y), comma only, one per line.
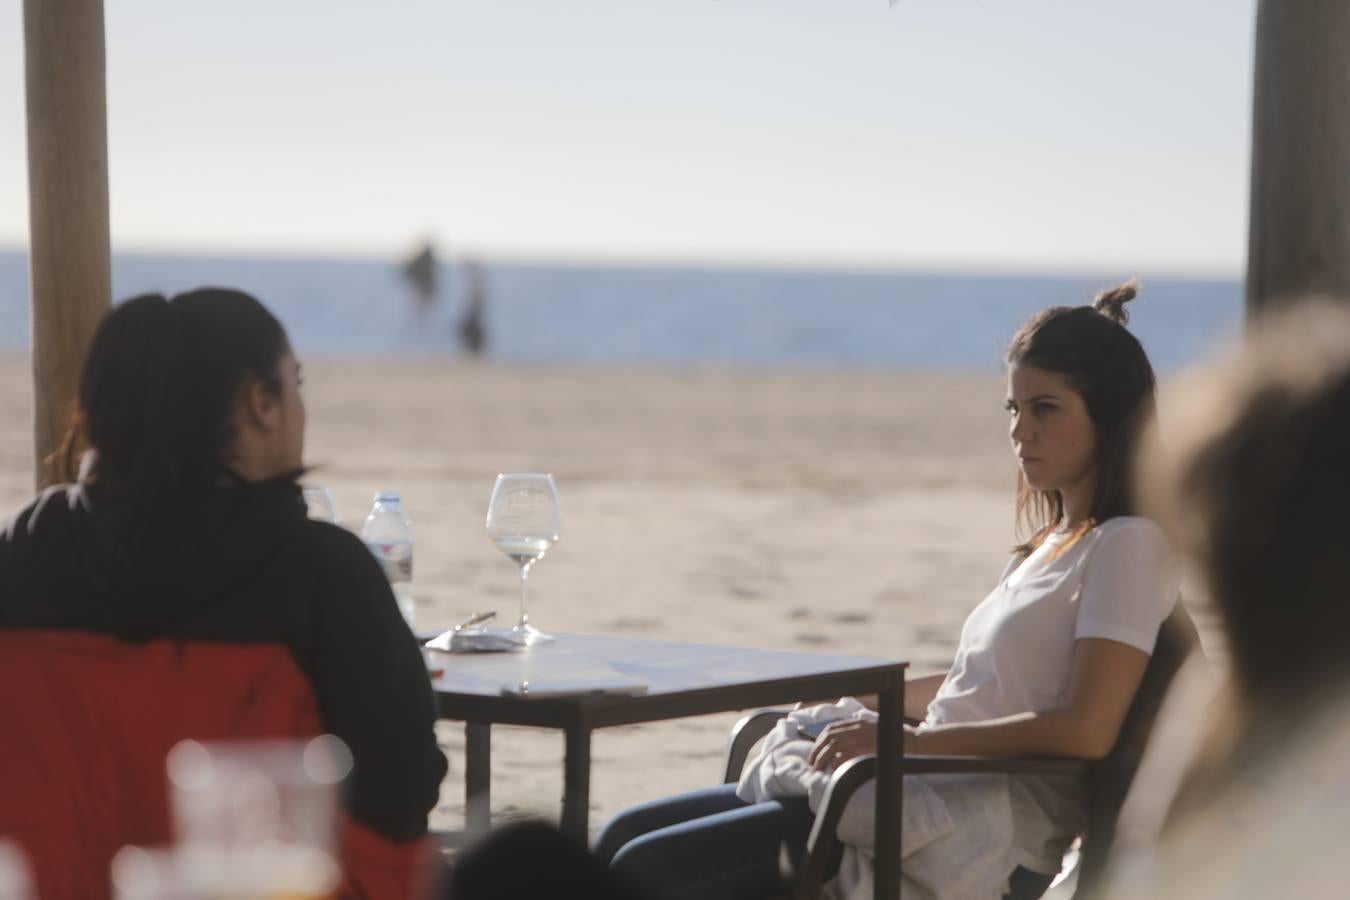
(1254,487)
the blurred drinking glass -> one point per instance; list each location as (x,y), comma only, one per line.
(264,872)
(16,881)
(319,501)
(242,794)
(523,521)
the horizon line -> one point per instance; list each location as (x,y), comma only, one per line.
(990,268)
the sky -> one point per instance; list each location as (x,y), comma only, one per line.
(1045,135)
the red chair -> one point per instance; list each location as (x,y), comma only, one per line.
(88,722)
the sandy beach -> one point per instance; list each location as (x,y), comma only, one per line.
(847,512)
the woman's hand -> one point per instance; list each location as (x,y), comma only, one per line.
(842,741)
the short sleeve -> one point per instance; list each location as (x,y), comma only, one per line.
(1130,584)
(1013,562)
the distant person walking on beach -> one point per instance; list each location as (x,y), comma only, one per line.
(421,272)
(472,334)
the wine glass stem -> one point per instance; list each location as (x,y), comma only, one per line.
(524,580)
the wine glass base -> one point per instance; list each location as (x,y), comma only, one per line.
(529,635)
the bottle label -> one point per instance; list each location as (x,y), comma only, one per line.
(395,560)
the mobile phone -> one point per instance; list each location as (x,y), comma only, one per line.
(578,688)
(813,729)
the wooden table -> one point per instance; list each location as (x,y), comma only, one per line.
(682,680)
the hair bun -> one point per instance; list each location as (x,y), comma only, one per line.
(1111,303)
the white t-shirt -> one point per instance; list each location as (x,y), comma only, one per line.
(1118,582)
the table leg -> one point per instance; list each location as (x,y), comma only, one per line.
(890,793)
(577,784)
(478,776)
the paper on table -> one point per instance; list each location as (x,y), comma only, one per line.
(476,640)
(579,687)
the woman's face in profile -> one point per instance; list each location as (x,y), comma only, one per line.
(1052,435)
(290,435)
(269,425)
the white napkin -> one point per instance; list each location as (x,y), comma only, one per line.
(476,640)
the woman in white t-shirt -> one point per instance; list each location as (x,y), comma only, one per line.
(1048,663)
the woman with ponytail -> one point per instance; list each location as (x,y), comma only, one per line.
(183,522)
(1048,664)
(179,401)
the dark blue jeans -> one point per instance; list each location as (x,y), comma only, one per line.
(705,845)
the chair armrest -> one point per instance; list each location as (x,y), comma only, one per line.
(744,735)
(823,847)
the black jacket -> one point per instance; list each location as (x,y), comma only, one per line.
(260,571)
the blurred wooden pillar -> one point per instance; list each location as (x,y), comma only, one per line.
(69,249)
(1300,189)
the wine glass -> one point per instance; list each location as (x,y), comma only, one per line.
(523,522)
(319,501)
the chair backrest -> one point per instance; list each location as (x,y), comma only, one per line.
(88,722)
(1108,780)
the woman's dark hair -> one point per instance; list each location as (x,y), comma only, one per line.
(155,403)
(1107,366)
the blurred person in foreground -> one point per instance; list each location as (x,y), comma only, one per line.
(184,522)
(1245,790)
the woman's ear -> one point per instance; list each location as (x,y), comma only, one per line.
(260,408)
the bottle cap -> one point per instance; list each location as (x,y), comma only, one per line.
(387,497)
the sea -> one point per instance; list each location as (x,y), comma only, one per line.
(666,315)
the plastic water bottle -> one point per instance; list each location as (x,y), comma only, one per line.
(388,534)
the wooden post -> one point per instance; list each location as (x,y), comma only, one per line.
(69,250)
(1300,189)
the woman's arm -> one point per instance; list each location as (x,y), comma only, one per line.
(374,692)
(919,692)
(1104,679)
(1105,676)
